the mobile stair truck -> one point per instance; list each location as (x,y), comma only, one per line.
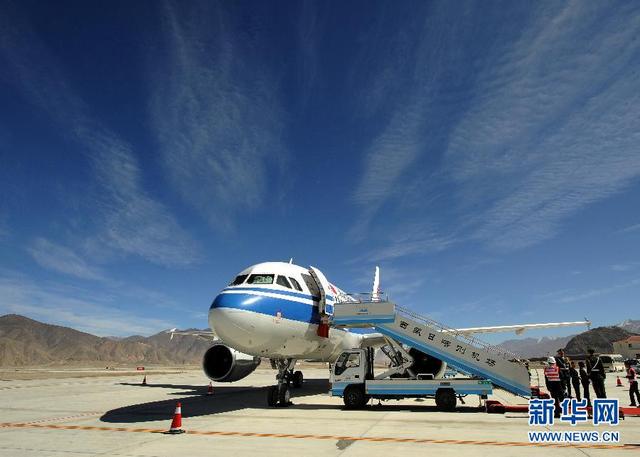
(352,375)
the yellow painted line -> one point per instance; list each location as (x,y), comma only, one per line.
(318,437)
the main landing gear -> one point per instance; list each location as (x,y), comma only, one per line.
(280,395)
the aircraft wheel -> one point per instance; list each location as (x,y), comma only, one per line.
(298,379)
(446,399)
(284,397)
(272,396)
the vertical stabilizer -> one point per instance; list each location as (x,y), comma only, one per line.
(375,291)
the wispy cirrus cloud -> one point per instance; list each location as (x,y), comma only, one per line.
(580,296)
(62,259)
(72,307)
(555,124)
(131,220)
(216,112)
(550,124)
(630,229)
(412,240)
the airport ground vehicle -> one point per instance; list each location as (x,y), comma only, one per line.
(612,362)
(402,333)
(353,379)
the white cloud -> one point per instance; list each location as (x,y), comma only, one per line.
(598,292)
(62,259)
(130,219)
(555,125)
(216,114)
(551,126)
(72,307)
(630,229)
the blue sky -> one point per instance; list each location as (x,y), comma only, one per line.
(485,155)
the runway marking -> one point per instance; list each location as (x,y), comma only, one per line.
(317,437)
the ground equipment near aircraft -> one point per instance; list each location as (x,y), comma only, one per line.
(352,378)
(402,327)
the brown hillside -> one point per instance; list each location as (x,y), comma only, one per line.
(24,341)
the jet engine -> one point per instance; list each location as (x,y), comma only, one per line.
(224,364)
(426,364)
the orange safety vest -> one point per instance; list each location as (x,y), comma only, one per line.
(552,373)
(631,374)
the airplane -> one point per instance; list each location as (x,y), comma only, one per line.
(278,310)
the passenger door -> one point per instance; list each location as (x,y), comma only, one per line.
(327,296)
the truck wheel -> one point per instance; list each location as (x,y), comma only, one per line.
(272,396)
(298,379)
(354,397)
(446,399)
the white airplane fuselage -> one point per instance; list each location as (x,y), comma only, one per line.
(263,315)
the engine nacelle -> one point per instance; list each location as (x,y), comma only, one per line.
(426,364)
(224,364)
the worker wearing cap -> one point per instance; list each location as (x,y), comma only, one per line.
(584,379)
(575,379)
(596,374)
(633,384)
(565,376)
(554,383)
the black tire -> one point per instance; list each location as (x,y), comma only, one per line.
(354,397)
(298,379)
(284,396)
(446,399)
(272,396)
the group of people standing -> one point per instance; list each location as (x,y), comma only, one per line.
(561,375)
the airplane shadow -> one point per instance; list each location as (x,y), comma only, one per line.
(196,403)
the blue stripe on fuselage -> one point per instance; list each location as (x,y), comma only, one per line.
(289,309)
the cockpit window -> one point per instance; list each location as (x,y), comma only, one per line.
(239,280)
(282,281)
(296,284)
(260,279)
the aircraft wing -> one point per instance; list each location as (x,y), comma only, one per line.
(520,328)
(377,339)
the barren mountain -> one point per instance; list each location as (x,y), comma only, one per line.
(600,339)
(630,325)
(536,347)
(24,341)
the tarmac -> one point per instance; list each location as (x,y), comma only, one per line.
(115,415)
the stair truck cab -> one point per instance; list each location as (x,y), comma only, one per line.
(352,378)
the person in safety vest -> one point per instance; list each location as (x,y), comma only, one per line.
(554,383)
(633,384)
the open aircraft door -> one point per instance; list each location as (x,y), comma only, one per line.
(327,293)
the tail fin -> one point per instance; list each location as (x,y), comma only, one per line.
(375,291)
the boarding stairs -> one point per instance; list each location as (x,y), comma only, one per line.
(460,350)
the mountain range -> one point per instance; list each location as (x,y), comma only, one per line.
(27,342)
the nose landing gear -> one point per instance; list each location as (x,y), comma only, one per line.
(280,395)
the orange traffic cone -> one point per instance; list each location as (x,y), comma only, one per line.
(144,380)
(210,389)
(618,382)
(176,423)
